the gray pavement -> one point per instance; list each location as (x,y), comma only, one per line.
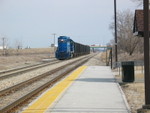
(95,91)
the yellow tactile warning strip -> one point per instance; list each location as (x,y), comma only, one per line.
(46,100)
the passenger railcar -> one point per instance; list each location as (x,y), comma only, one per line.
(67,48)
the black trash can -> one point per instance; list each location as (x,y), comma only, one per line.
(127,71)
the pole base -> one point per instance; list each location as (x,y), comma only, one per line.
(144,109)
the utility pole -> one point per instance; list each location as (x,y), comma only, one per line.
(3,40)
(54,41)
(146,54)
(115,21)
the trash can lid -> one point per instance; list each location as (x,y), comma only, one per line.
(127,63)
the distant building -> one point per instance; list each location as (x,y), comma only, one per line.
(52,45)
(1,47)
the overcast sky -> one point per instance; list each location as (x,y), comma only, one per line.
(33,22)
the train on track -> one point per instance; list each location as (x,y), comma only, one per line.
(67,48)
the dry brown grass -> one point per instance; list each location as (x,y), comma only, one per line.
(25,57)
(134,91)
(105,56)
(11,52)
(127,57)
(135,95)
(139,76)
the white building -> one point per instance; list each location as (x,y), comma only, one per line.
(1,47)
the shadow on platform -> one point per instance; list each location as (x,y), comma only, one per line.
(96,80)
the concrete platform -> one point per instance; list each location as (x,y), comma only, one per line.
(94,91)
(89,89)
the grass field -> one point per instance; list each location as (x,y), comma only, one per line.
(24,57)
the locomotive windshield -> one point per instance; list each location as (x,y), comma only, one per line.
(61,40)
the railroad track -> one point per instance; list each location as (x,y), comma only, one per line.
(23,91)
(16,71)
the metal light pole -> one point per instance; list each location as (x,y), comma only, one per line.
(146,54)
(115,21)
(54,41)
(3,40)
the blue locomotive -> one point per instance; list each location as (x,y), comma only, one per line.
(67,48)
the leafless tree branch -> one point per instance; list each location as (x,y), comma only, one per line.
(127,42)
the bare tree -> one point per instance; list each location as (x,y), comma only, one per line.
(18,45)
(127,42)
(138,2)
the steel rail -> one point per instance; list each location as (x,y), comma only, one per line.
(14,69)
(30,94)
(23,70)
(17,86)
